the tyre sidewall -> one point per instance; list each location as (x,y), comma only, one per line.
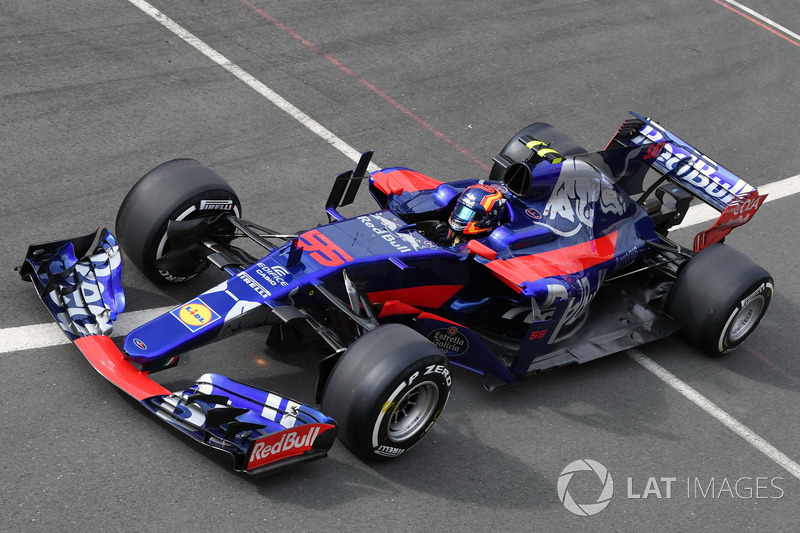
(377,415)
(186,211)
(381,367)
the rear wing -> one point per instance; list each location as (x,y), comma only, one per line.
(682,163)
(693,172)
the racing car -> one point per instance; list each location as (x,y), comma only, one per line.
(558,256)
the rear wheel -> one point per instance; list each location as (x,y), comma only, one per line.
(720,296)
(517,152)
(181,190)
(387,391)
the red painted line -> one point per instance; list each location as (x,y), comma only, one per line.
(755,21)
(366,83)
(783,372)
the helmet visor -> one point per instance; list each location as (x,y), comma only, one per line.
(464,213)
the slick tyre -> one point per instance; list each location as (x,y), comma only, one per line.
(517,152)
(178,190)
(720,295)
(387,391)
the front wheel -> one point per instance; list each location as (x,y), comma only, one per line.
(387,391)
(178,191)
(720,295)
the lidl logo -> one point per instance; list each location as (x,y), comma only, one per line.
(195,314)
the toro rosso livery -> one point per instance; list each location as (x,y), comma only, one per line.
(559,256)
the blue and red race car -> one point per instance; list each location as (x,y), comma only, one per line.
(561,256)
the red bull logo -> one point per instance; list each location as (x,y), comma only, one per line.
(285,444)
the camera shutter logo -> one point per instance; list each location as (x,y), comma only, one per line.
(585,509)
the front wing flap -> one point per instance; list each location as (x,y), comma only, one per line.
(261,430)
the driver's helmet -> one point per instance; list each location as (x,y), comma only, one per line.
(478,210)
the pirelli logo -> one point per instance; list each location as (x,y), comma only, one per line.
(216,205)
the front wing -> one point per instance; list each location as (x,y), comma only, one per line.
(79,281)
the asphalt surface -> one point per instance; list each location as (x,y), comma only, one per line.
(95,93)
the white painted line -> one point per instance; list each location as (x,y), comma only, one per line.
(763,19)
(699,214)
(45,335)
(709,407)
(251,81)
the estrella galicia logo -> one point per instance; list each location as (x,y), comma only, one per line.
(449,339)
(195,314)
(585,509)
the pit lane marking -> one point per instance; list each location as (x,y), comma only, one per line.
(751,15)
(696,214)
(711,408)
(279,101)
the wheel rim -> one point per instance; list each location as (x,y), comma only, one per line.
(413,411)
(746,319)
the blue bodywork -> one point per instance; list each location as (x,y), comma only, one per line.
(573,273)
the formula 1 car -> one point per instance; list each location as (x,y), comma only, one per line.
(575,265)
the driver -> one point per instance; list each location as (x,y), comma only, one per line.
(479,210)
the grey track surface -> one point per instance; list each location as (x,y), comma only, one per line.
(95,93)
